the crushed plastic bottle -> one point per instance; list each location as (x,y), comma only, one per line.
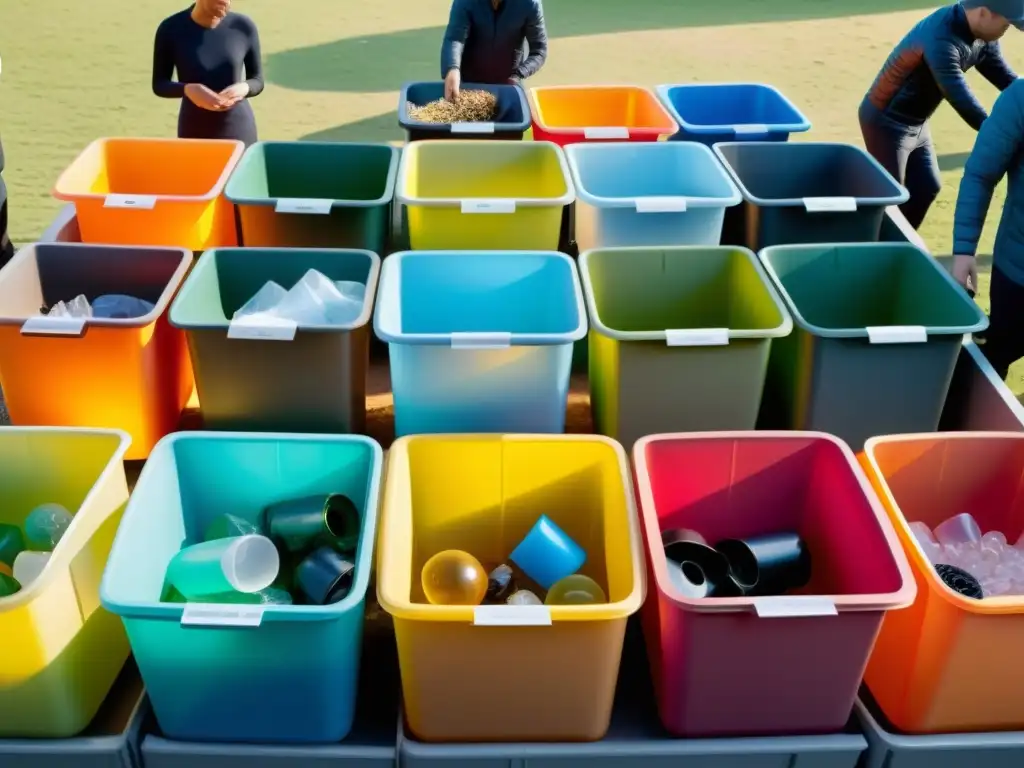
(260,308)
(77,307)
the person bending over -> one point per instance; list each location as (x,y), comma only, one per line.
(926,67)
(493,42)
(209,47)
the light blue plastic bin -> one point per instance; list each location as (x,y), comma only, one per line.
(713,112)
(288,675)
(658,193)
(480,341)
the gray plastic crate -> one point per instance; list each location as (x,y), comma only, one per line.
(952,750)
(636,739)
(110,741)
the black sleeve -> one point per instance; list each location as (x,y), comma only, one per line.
(164,84)
(993,67)
(455,37)
(537,39)
(254,63)
(943,58)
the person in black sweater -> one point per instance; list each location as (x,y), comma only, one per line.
(210,46)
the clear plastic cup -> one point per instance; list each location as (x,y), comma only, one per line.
(959,529)
(239,564)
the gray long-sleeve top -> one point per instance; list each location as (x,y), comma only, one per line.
(487,44)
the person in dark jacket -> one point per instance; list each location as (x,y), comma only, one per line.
(926,67)
(492,42)
(209,47)
(998,151)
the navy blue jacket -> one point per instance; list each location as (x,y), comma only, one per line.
(488,45)
(928,66)
(998,151)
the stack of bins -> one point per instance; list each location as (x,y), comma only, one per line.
(510,673)
(879,327)
(299,194)
(511,119)
(766,665)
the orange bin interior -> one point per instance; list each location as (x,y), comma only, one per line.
(601,106)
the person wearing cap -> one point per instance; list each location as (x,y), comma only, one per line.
(998,151)
(492,42)
(925,68)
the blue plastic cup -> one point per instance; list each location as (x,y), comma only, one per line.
(325,577)
(239,564)
(547,554)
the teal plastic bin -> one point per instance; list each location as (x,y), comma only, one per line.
(275,673)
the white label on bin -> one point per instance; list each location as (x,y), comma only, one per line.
(897,334)
(470,127)
(268,329)
(606,132)
(209,615)
(488,206)
(142,202)
(54,326)
(789,607)
(745,129)
(512,616)
(481,340)
(661,205)
(303,205)
(697,337)
(830,204)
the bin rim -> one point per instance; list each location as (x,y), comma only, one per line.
(158,610)
(159,307)
(664,92)
(209,259)
(980,324)
(574,151)
(215,191)
(598,326)
(257,147)
(403,608)
(1010,604)
(408,123)
(385,331)
(63,555)
(667,129)
(901,597)
(901,196)
(414,148)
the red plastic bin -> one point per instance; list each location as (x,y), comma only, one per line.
(748,666)
(570,114)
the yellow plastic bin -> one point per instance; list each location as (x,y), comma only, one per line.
(484,195)
(60,651)
(508,673)
(153,192)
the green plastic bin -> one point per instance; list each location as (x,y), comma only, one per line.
(878,329)
(305,194)
(679,338)
(303,378)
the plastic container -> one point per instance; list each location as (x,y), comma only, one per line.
(480,341)
(765,665)
(274,673)
(503,195)
(679,338)
(948,664)
(60,652)
(715,112)
(878,331)
(809,192)
(304,194)
(511,119)
(649,194)
(568,114)
(298,378)
(481,494)
(166,192)
(131,374)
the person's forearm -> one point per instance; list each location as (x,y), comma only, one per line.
(944,63)
(255,87)
(994,68)
(972,206)
(455,36)
(168,89)
(532,64)
(451,55)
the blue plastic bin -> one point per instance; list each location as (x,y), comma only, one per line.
(479,341)
(511,118)
(657,193)
(713,112)
(286,673)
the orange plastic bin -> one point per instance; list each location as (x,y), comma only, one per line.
(569,114)
(164,192)
(949,663)
(129,374)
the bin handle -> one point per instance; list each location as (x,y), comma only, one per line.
(745,129)
(141,202)
(280,330)
(606,132)
(830,204)
(897,334)
(783,607)
(481,205)
(315,205)
(471,127)
(511,616)
(45,325)
(697,337)
(207,615)
(661,205)
(481,340)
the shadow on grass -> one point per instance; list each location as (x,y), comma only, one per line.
(379,128)
(954,161)
(382,62)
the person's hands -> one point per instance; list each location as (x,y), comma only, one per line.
(965,272)
(234,94)
(203,97)
(452,81)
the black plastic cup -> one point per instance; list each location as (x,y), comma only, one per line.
(324,576)
(767,565)
(687,549)
(299,524)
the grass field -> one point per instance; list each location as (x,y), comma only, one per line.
(74,70)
